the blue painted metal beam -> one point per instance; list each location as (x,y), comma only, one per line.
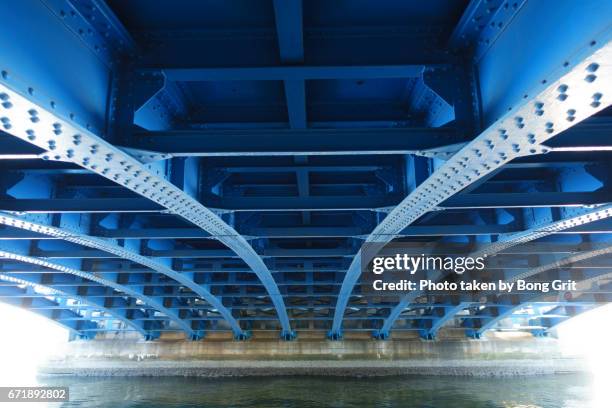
(20,254)
(517,133)
(127,251)
(596,227)
(290,73)
(306,203)
(278,142)
(288,17)
(78,145)
(507,241)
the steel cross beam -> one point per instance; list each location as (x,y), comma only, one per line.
(95,301)
(291,73)
(427,142)
(380,202)
(110,246)
(64,140)
(505,242)
(155,304)
(516,134)
(63,317)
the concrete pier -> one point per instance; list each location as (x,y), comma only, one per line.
(493,356)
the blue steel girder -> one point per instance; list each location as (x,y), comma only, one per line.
(480,25)
(378,203)
(288,17)
(517,133)
(24,115)
(21,254)
(582,217)
(21,297)
(508,310)
(116,311)
(126,252)
(67,141)
(316,232)
(291,142)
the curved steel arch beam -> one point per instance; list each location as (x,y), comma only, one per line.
(65,140)
(87,300)
(518,133)
(509,240)
(118,287)
(9,295)
(584,284)
(109,245)
(506,242)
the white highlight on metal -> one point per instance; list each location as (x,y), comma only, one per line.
(81,299)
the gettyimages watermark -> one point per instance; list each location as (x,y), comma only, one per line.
(459,268)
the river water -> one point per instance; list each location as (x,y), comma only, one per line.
(575,391)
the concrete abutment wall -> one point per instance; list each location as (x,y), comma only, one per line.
(493,356)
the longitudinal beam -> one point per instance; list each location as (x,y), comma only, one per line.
(110,246)
(574,96)
(288,17)
(64,140)
(97,302)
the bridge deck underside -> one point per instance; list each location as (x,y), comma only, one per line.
(253,147)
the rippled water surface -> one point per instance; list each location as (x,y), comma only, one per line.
(288,392)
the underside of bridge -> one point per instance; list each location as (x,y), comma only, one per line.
(216,166)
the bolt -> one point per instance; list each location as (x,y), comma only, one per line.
(596,98)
